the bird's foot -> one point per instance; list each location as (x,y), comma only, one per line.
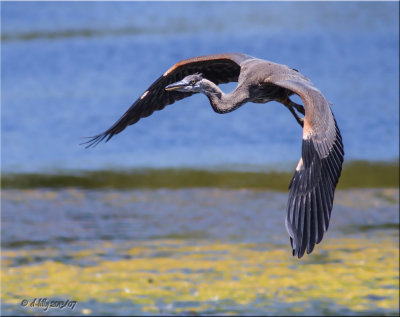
(298,107)
(291,105)
(300,121)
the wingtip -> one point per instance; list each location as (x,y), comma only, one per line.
(296,249)
(298,253)
(94,140)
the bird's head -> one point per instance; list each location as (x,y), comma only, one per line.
(191,83)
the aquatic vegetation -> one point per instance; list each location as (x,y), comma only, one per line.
(195,251)
(355,275)
(356,174)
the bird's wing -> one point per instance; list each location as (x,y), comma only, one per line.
(219,68)
(313,184)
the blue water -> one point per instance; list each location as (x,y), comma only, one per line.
(70,70)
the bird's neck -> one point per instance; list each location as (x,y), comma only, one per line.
(221,102)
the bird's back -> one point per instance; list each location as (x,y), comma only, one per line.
(257,70)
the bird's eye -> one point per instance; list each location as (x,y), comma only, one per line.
(193,82)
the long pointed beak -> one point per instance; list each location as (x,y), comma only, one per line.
(176,86)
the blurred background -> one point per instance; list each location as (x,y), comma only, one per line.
(184,211)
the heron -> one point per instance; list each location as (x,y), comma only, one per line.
(313,184)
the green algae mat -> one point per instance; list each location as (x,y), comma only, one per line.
(355,174)
(198,251)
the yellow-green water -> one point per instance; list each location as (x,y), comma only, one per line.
(348,276)
(195,251)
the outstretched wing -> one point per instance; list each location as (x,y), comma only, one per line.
(313,184)
(219,68)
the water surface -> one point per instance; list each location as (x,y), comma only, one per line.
(88,62)
(196,251)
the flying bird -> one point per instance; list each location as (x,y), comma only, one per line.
(313,184)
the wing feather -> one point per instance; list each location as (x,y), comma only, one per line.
(313,185)
(219,68)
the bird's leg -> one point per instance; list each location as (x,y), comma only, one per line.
(298,119)
(298,107)
(290,105)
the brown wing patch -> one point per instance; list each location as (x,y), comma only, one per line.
(220,68)
(235,58)
(307,128)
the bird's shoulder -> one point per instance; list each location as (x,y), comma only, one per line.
(264,71)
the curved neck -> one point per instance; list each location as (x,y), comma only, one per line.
(221,102)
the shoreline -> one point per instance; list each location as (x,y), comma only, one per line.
(355,174)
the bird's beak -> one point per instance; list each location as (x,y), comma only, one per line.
(176,86)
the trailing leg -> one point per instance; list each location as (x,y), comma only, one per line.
(291,105)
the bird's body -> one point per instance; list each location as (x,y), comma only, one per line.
(260,81)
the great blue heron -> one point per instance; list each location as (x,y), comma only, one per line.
(317,173)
